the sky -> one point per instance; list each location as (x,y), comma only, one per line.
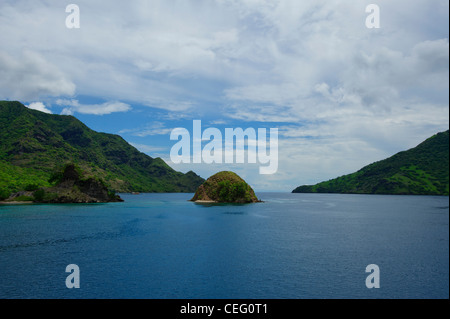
(341,95)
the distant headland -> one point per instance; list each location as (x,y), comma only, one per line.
(422,170)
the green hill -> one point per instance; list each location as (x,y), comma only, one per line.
(225,187)
(34,144)
(423,170)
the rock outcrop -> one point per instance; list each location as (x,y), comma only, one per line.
(73,189)
(225,187)
(70,188)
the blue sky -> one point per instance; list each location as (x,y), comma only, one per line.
(341,95)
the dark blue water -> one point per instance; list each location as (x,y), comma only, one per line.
(292,246)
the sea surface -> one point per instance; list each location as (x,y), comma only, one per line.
(292,246)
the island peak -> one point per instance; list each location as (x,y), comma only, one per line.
(225,187)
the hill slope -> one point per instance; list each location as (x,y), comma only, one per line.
(423,170)
(34,144)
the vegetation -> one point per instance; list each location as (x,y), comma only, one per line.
(225,187)
(39,195)
(423,170)
(23,198)
(4,194)
(33,145)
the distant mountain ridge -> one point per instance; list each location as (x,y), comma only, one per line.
(33,144)
(423,170)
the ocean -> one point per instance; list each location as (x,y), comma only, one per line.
(291,246)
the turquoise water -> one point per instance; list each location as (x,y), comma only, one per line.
(291,246)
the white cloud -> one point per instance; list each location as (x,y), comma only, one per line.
(39,106)
(151,129)
(30,76)
(72,106)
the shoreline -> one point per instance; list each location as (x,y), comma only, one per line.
(205,201)
(16,203)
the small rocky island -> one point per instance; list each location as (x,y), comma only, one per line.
(70,187)
(225,187)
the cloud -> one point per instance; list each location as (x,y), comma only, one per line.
(151,129)
(39,106)
(179,56)
(72,106)
(30,76)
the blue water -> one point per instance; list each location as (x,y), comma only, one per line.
(292,246)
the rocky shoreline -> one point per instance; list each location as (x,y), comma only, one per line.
(71,188)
